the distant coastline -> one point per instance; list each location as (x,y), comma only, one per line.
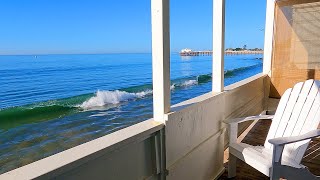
(229,51)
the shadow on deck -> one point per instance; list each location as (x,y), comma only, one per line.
(257,136)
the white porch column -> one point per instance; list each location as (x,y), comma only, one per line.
(218,46)
(268,37)
(160,58)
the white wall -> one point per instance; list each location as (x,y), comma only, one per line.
(194,131)
(131,162)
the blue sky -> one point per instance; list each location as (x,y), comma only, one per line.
(117,26)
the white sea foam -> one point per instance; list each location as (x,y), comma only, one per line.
(189,83)
(172,86)
(103,98)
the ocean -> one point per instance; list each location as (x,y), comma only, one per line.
(49,103)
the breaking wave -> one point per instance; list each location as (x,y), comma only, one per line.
(103,98)
(53,109)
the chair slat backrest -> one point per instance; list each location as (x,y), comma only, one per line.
(298,112)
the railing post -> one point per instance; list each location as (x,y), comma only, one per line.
(160,58)
(268,37)
(218,45)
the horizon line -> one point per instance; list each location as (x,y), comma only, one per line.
(77,53)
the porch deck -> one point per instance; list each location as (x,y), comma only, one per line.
(256,135)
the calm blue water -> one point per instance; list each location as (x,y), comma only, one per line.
(50,103)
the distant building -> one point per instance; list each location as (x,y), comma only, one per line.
(186,50)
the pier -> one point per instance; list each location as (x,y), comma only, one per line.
(189,52)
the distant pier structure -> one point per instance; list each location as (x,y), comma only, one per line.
(189,52)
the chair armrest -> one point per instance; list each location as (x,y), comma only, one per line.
(243,119)
(279,143)
(233,125)
(287,140)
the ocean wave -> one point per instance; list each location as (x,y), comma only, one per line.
(232,72)
(103,98)
(16,116)
(42,111)
(173,86)
(204,78)
(189,83)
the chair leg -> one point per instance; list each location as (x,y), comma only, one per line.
(274,176)
(232,166)
(275,171)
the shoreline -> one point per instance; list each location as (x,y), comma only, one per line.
(209,53)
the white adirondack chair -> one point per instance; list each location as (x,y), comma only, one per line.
(293,125)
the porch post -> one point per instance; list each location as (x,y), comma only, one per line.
(160,58)
(268,37)
(218,46)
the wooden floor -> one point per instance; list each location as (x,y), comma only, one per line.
(257,136)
